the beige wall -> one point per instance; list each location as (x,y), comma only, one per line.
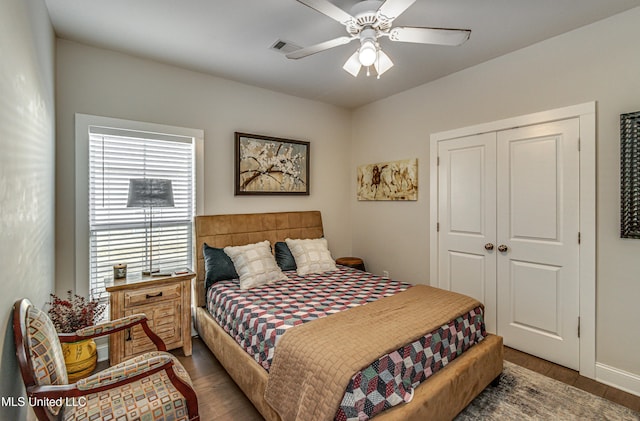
(105,83)
(26,174)
(598,62)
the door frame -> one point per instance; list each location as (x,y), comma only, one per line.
(586,113)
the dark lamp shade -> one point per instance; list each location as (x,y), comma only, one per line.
(150,193)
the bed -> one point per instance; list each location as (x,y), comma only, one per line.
(441,396)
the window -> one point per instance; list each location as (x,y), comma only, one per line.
(118,152)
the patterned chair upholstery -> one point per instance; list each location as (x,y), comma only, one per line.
(152,386)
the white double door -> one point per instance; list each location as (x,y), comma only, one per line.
(508,213)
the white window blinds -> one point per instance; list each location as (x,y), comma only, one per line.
(121,235)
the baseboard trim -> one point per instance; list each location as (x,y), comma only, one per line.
(103,352)
(617,378)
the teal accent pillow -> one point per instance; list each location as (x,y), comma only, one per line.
(284,258)
(218,266)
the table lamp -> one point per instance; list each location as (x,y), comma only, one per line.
(150,193)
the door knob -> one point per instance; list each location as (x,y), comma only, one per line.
(488,246)
(502,248)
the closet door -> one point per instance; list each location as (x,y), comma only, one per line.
(467,221)
(537,240)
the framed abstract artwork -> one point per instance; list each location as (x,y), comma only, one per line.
(396,180)
(267,165)
(630,175)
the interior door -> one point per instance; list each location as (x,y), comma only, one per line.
(467,221)
(537,236)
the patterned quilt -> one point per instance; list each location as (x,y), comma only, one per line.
(258,317)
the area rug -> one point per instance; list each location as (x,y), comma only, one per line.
(525,395)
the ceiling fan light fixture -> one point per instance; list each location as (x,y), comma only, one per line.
(368,53)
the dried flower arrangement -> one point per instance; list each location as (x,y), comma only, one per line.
(73,313)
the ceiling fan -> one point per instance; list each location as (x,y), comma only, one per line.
(368,21)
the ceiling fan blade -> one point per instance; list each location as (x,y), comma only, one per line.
(352,65)
(312,49)
(328,9)
(429,35)
(382,63)
(391,9)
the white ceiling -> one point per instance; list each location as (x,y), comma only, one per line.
(231,38)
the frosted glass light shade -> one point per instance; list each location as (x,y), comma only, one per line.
(383,63)
(352,65)
(367,53)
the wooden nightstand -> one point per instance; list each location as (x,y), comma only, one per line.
(166,300)
(352,262)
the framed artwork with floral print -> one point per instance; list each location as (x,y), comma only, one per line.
(267,165)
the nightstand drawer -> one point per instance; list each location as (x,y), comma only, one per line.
(153,295)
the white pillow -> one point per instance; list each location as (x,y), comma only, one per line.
(311,256)
(255,264)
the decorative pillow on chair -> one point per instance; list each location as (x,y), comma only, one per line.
(311,256)
(218,266)
(255,264)
(284,258)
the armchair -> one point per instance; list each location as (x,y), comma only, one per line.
(151,386)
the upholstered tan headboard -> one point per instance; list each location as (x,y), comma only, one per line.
(240,229)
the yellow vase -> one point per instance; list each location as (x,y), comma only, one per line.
(80,358)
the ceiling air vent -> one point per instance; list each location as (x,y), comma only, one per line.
(284,47)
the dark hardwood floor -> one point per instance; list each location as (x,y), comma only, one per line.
(220,399)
